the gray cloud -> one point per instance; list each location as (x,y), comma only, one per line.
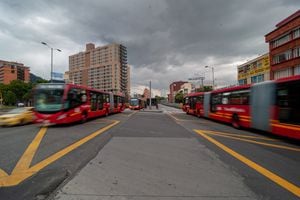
(167,40)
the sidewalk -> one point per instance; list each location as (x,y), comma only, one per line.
(153,109)
(151,168)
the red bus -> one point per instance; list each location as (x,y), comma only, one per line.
(136,104)
(58,103)
(193,104)
(271,106)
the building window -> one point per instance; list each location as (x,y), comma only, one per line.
(282,57)
(280,41)
(243,82)
(296,52)
(296,33)
(258,78)
(283,73)
(297,70)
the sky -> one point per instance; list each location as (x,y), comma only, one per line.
(166,40)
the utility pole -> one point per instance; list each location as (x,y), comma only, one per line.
(150,97)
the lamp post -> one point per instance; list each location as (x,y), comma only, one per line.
(213,75)
(44,43)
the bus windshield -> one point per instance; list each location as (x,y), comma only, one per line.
(134,102)
(48,100)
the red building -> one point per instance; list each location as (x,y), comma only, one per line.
(284,47)
(10,71)
(174,88)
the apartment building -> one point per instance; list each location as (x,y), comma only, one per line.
(284,47)
(10,71)
(255,70)
(103,68)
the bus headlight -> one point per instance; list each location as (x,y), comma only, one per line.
(62,116)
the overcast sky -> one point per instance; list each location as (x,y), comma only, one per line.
(167,40)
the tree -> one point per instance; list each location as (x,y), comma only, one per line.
(10,98)
(179,97)
(204,89)
(19,88)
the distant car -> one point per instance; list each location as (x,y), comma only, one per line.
(17,116)
(20,104)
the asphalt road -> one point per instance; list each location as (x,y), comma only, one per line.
(36,163)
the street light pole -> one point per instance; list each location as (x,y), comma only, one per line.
(51,65)
(213,75)
(44,43)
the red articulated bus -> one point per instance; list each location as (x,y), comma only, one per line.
(58,103)
(271,106)
(136,104)
(193,104)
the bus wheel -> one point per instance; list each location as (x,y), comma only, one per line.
(236,121)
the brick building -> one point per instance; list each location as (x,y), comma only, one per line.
(174,88)
(103,68)
(10,71)
(284,47)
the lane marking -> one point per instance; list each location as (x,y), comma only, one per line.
(25,160)
(3,173)
(239,135)
(22,170)
(257,142)
(132,113)
(265,172)
(181,120)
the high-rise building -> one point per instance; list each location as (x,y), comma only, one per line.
(255,70)
(10,71)
(284,47)
(103,68)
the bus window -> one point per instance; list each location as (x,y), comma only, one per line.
(93,101)
(100,101)
(74,97)
(287,100)
(215,100)
(225,98)
(239,97)
(115,101)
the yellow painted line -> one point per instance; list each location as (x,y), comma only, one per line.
(239,135)
(256,142)
(70,148)
(3,173)
(21,173)
(25,160)
(260,169)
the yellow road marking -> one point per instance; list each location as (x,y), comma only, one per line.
(70,148)
(22,170)
(25,160)
(257,142)
(239,135)
(2,173)
(265,172)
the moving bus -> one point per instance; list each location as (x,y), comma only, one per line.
(193,104)
(58,103)
(136,104)
(271,106)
